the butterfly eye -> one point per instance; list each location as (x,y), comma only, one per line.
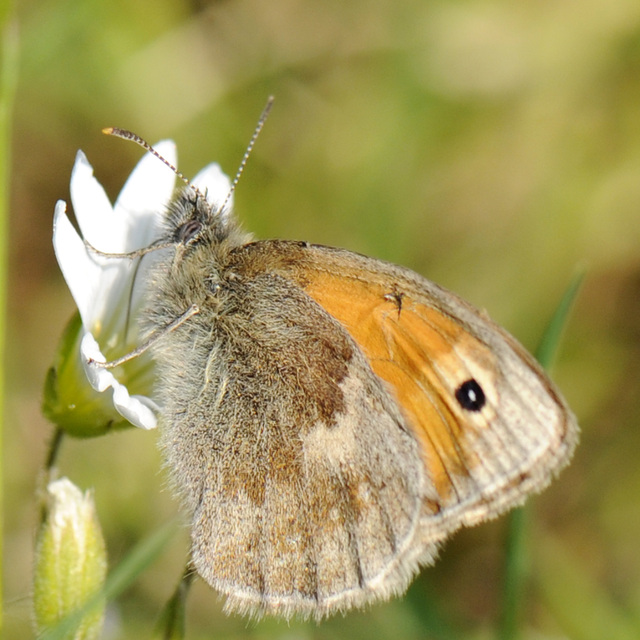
(189,231)
(470,395)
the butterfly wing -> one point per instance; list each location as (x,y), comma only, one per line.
(305,484)
(350,416)
(492,427)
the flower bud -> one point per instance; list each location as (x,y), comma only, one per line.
(71,562)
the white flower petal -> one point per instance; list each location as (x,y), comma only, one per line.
(98,285)
(81,273)
(93,210)
(145,196)
(105,232)
(143,202)
(138,410)
(99,377)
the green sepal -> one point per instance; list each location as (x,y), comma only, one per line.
(69,400)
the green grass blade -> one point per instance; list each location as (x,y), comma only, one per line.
(517,563)
(550,341)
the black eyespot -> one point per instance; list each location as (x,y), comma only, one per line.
(470,395)
(188,231)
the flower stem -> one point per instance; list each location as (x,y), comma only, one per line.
(54,449)
(52,456)
(172,620)
(8,81)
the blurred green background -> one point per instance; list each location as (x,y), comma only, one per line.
(491,146)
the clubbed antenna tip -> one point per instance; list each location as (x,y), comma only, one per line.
(129,135)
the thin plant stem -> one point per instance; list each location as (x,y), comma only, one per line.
(50,461)
(54,449)
(171,625)
(8,82)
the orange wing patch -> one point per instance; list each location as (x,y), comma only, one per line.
(418,351)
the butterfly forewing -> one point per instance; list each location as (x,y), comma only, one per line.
(426,343)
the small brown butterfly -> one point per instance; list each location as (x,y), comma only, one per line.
(330,419)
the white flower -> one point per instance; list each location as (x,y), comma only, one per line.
(108,291)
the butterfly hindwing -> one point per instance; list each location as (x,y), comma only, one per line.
(305,484)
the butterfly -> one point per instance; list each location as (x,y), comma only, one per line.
(330,419)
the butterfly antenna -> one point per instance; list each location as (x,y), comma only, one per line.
(263,118)
(129,135)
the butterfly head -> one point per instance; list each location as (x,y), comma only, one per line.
(192,220)
(201,234)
